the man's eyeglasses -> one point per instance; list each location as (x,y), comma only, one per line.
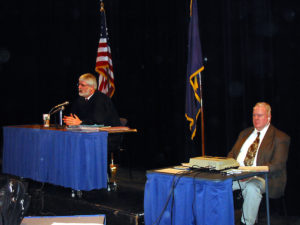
(82,85)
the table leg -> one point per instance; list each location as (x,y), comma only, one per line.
(267,199)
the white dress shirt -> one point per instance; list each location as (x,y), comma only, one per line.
(88,98)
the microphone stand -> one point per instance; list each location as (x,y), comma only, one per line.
(60,109)
(60,116)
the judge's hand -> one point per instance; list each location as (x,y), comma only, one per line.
(72,120)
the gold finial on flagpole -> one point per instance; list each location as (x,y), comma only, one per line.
(101,6)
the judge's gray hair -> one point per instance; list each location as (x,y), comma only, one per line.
(90,79)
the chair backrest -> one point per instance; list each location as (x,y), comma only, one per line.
(123,121)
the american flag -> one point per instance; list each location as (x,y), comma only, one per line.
(104,64)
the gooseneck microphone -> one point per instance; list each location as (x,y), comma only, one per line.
(62,104)
(58,106)
(57,109)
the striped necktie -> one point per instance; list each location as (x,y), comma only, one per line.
(248,161)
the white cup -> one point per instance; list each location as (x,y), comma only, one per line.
(46,119)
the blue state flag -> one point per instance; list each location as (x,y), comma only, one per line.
(193,102)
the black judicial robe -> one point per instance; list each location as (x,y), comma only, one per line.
(99,109)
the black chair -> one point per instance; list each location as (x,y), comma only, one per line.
(123,149)
(123,121)
(278,208)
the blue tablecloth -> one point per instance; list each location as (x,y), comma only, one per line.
(70,159)
(192,201)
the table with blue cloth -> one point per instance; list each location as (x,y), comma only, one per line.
(191,198)
(76,160)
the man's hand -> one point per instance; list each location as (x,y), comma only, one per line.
(72,120)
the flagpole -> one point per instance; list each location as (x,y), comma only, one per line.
(101,6)
(202,116)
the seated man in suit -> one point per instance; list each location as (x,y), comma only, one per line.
(261,145)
